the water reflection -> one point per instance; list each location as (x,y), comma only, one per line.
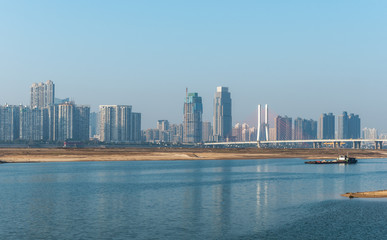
(179,199)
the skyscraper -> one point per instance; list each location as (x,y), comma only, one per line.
(115,123)
(304,129)
(206,131)
(9,123)
(193,110)
(327,126)
(42,94)
(283,126)
(135,127)
(342,126)
(222,126)
(348,126)
(354,126)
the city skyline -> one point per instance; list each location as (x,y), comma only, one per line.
(302,58)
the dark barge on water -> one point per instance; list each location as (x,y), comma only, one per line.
(341,159)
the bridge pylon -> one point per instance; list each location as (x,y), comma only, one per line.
(262,127)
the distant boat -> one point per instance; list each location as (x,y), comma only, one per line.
(341,159)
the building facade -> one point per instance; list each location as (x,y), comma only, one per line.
(283,127)
(222,120)
(305,129)
(327,126)
(42,94)
(116,123)
(193,110)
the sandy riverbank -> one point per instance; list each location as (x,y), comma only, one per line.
(15,155)
(371,194)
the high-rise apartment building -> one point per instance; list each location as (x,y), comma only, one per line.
(94,125)
(206,131)
(81,123)
(163,125)
(193,110)
(42,94)
(354,126)
(327,126)
(222,122)
(304,129)
(370,133)
(9,123)
(33,124)
(348,126)
(115,123)
(135,127)
(342,126)
(283,127)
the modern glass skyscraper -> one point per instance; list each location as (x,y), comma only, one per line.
(222,126)
(193,110)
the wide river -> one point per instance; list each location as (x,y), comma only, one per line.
(231,199)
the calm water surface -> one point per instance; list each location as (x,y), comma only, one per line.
(233,199)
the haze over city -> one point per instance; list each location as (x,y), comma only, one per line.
(301,58)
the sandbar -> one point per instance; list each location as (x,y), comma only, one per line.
(370,194)
(32,155)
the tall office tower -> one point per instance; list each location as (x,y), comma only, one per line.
(193,110)
(222,126)
(115,123)
(305,129)
(327,126)
(342,126)
(9,123)
(163,125)
(42,94)
(81,123)
(283,127)
(206,131)
(370,133)
(353,126)
(135,127)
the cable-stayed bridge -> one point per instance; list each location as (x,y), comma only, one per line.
(264,141)
(317,143)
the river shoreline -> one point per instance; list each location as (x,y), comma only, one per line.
(31,155)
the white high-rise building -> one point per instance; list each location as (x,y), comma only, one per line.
(115,121)
(42,94)
(370,133)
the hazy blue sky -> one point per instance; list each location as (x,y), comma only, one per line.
(303,58)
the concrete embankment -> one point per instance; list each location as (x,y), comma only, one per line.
(371,194)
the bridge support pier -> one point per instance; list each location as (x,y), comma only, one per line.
(378,144)
(356,145)
(335,144)
(317,145)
